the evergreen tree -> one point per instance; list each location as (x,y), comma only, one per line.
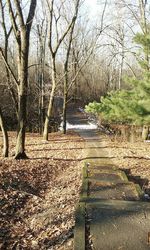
(129,106)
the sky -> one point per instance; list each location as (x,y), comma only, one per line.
(92,5)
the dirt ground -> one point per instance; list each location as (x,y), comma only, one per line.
(39,195)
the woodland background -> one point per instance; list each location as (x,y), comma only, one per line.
(71,53)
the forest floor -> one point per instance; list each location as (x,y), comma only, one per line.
(133,158)
(39,195)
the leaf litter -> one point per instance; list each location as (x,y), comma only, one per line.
(132,157)
(39,195)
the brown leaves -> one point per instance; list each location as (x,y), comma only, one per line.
(131,156)
(39,195)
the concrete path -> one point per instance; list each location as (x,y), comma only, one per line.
(111,214)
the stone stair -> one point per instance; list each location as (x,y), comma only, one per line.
(108,182)
(109,205)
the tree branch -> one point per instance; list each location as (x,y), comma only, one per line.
(9,68)
(50,25)
(64,35)
(31,15)
(19,12)
(13,20)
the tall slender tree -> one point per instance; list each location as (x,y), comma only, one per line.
(66,64)
(55,40)
(22,30)
(41,52)
(5,135)
(7,32)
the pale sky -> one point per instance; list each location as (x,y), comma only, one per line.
(92,5)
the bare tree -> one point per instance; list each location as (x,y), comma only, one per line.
(54,42)
(21,29)
(66,64)
(5,135)
(7,32)
(41,52)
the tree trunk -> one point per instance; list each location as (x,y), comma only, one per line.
(66,66)
(64,114)
(65,103)
(11,90)
(22,31)
(74,61)
(5,135)
(51,99)
(20,144)
(42,50)
(22,102)
(41,103)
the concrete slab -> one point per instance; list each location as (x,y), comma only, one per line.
(108,167)
(105,176)
(113,190)
(109,175)
(97,160)
(119,225)
(106,218)
(79,233)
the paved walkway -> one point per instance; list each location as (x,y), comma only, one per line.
(111,214)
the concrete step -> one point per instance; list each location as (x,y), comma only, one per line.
(94,165)
(112,225)
(115,190)
(119,225)
(107,174)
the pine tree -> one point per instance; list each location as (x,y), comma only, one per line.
(130,106)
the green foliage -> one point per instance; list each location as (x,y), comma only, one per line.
(144,41)
(125,106)
(111,107)
(93,107)
(129,106)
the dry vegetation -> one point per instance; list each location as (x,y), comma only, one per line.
(39,195)
(133,157)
